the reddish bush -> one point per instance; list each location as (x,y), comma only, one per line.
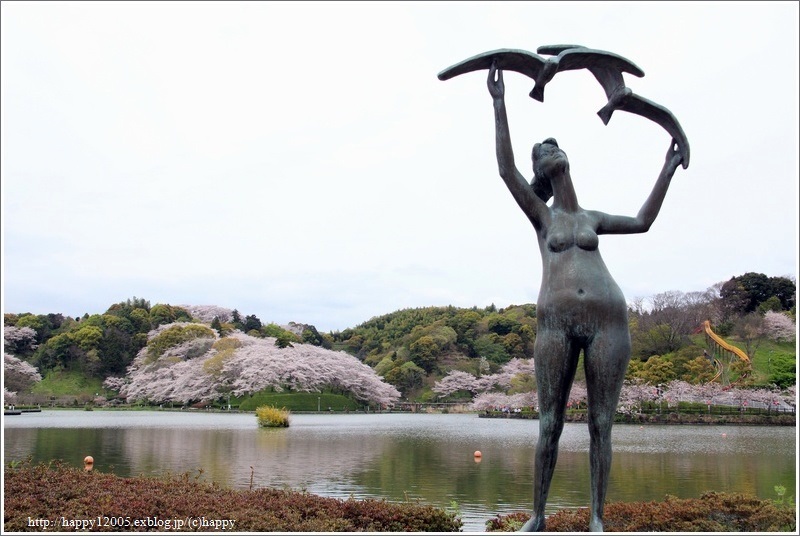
(713,512)
(54,492)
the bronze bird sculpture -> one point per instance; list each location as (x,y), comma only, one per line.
(621,97)
(540,69)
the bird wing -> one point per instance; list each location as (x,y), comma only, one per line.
(655,112)
(610,79)
(585,58)
(554,50)
(508,59)
(606,67)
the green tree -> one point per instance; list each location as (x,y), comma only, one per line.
(514,345)
(140,319)
(491,347)
(161,314)
(284,340)
(236,320)
(274,330)
(87,337)
(657,370)
(523,382)
(698,370)
(656,339)
(501,324)
(424,352)
(36,323)
(216,325)
(773,303)
(59,351)
(743,294)
(312,336)
(741,373)
(783,371)
(251,322)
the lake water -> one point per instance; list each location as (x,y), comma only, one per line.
(399,457)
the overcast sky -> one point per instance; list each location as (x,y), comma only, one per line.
(302,162)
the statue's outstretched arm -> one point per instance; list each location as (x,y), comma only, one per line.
(609,224)
(534,208)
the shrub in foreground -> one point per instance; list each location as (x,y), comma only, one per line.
(272,417)
(55,491)
(712,512)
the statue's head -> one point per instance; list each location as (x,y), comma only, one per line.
(548,161)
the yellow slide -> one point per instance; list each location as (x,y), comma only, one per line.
(720,341)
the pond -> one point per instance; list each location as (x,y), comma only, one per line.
(399,457)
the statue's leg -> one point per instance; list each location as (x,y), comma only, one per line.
(555,364)
(606,361)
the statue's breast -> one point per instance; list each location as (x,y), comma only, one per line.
(568,232)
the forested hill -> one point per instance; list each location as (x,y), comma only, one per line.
(407,345)
(413,348)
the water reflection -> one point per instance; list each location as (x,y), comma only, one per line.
(401,457)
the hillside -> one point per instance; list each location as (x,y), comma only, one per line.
(410,349)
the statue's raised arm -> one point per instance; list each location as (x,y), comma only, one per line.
(526,198)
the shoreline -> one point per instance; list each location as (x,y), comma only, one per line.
(784,419)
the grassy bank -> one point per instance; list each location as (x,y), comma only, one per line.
(297,402)
(66,387)
(41,498)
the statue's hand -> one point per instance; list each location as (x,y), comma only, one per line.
(674,157)
(495,82)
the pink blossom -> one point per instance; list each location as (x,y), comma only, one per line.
(9,397)
(256,364)
(19,340)
(207,313)
(779,327)
(19,374)
(490,401)
(456,380)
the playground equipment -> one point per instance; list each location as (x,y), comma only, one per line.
(720,348)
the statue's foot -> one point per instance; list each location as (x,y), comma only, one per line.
(534,524)
(596,525)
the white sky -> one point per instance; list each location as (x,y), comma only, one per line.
(302,162)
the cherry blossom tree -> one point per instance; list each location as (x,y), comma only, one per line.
(634,394)
(677,391)
(19,375)
(205,369)
(708,393)
(9,397)
(457,380)
(207,313)
(19,341)
(779,327)
(259,364)
(493,401)
(578,395)
(789,396)
(114,383)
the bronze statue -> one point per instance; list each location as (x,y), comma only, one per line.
(580,306)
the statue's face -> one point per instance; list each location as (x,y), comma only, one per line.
(548,159)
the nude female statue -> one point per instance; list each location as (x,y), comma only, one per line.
(580,307)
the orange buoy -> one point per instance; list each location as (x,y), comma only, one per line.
(88,463)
